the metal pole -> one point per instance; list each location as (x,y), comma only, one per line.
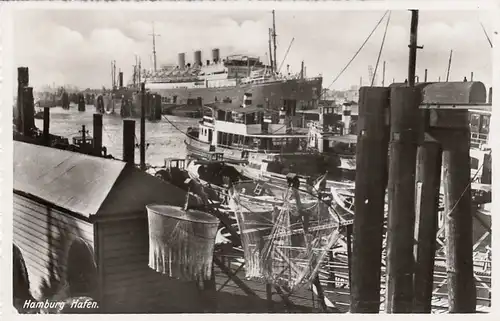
(143,127)
(413,48)
(383,75)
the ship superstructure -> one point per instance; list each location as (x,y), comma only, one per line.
(227,79)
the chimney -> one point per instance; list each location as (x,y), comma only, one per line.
(215,55)
(197,58)
(490,95)
(181,60)
(120,79)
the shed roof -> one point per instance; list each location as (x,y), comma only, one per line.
(74,181)
(85,184)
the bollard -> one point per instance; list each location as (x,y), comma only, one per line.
(129,141)
(97,123)
(371,181)
(401,218)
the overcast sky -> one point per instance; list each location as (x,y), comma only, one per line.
(75,46)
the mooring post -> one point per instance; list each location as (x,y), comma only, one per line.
(451,128)
(129,141)
(401,218)
(143,127)
(97,123)
(28,111)
(371,181)
(458,219)
(427,184)
(46,126)
(22,81)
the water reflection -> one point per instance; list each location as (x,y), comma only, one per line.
(163,139)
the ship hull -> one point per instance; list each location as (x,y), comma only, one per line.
(270,94)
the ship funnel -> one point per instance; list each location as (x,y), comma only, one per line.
(215,55)
(197,58)
(247,100)
(181,60)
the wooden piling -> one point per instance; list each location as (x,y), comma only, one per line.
(401,218)
(22,81)
(143,127)
(458,221)
(46,126)
(427,184)
(269,296)
(425,76)
(371,180)
(28,111)
(97,124)
(129,141)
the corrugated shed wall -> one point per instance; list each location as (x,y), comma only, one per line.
(129,285)
(44,235)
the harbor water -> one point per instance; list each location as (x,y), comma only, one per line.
(165,140)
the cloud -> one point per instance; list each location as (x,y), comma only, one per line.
(74,47)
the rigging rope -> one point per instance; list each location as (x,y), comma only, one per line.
(381,48)
(465,190)
(486,34)
(359,50)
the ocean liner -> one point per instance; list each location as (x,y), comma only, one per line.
(228,79)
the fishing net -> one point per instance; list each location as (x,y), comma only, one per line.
(181,243)
(284,239)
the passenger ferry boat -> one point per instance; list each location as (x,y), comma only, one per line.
(263,144)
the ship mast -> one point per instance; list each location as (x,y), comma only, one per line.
(274,41)
(270,49)
(154,35)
